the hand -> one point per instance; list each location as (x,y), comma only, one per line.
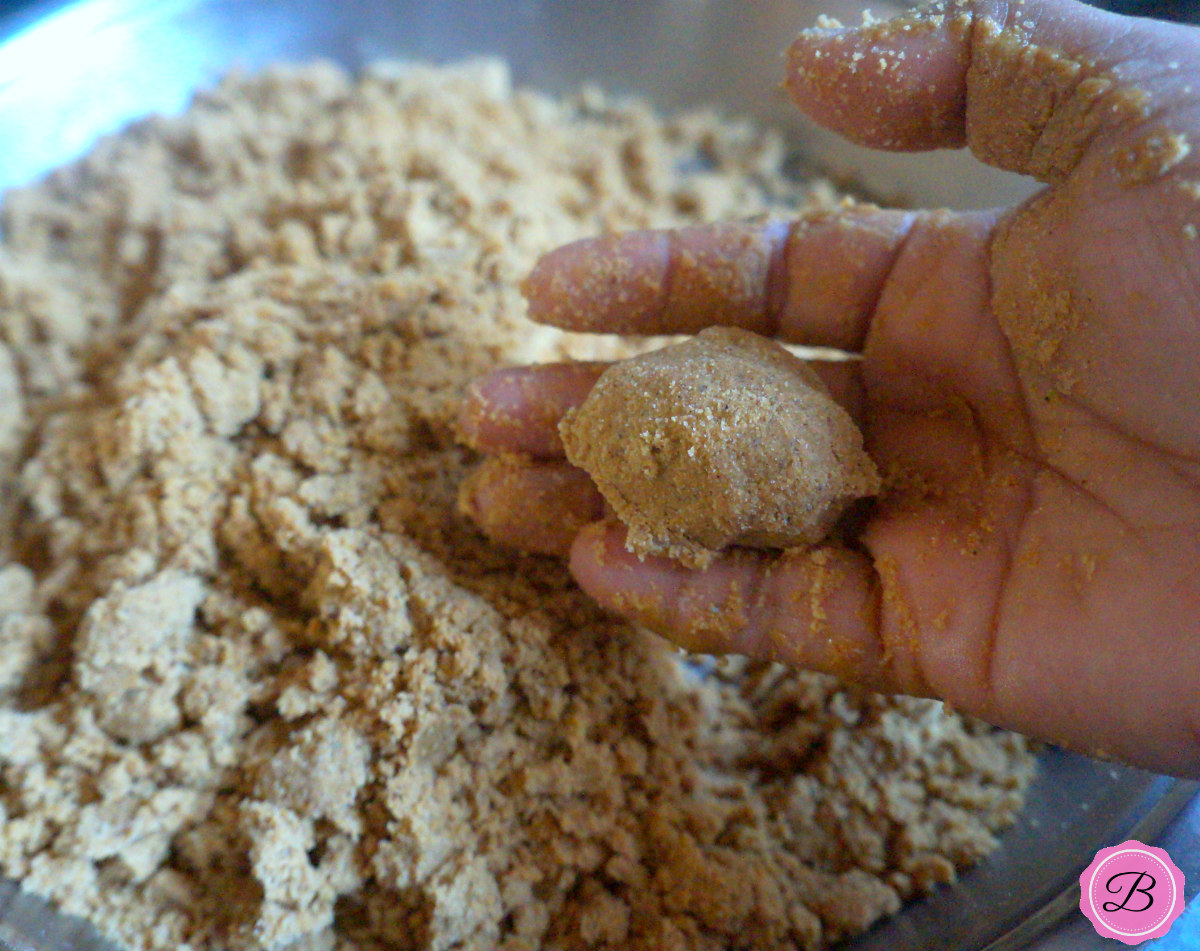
(1029,384)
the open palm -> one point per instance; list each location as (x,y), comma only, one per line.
(1029,385)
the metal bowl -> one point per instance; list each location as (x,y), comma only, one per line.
(83,69)
(72,72)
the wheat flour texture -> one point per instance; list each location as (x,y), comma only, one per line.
(261,684)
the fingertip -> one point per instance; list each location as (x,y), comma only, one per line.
(660,282)
(593,553)
(640,589)
(533,507)
(702,611)
(610,283)
(896,84)
(517,409)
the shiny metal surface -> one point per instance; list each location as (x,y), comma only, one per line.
(84,69)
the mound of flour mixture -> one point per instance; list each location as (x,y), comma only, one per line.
(260,682)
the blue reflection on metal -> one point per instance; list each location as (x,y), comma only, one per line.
(52,102)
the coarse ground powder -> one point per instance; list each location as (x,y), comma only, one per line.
(261,683)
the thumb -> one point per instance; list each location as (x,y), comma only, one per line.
(1031,86)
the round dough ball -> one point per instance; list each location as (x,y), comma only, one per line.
(724,439)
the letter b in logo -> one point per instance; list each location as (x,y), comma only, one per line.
(1131,892)
(1136,888)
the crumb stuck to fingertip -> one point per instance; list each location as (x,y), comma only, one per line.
(826,24)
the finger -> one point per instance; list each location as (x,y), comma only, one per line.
(534,507)
(517,409)
(815,609)
(1028,86)
(843,382)
(814,281)
(649,282)
(862,82)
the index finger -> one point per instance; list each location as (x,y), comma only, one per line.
(814,280)
(1036,87)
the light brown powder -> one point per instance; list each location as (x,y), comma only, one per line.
(260,682)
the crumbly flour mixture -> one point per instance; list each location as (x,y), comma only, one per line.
(260,683)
